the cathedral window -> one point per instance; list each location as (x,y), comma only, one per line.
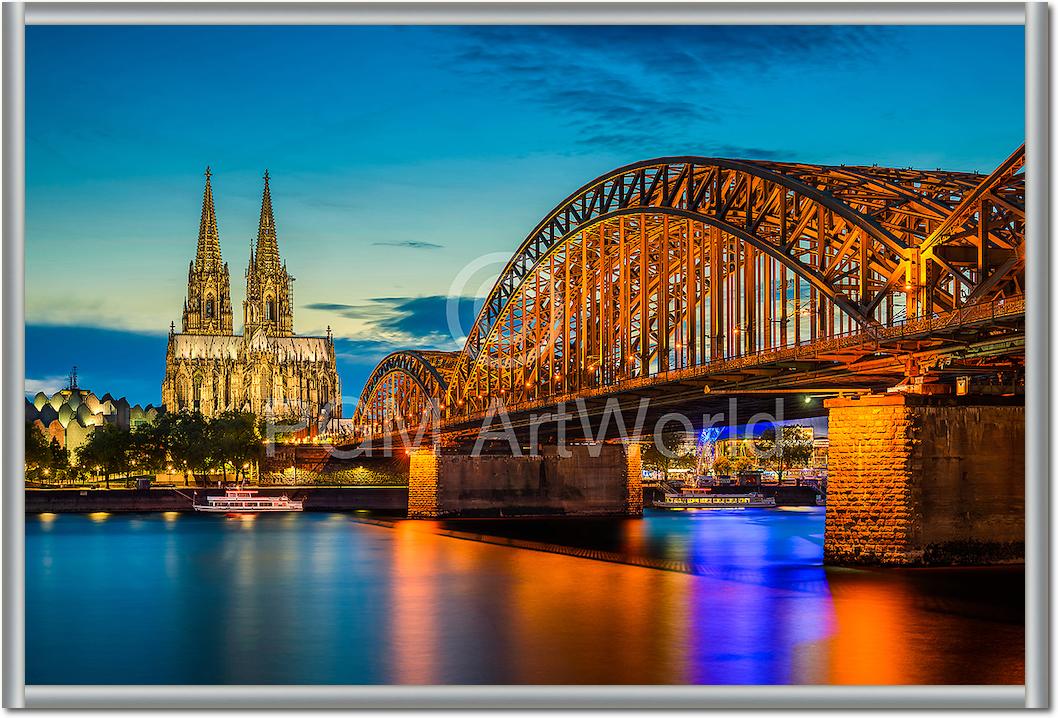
(270,310)
(209,308)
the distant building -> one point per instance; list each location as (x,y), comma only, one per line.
(741,440)
(69,416)
(266,369)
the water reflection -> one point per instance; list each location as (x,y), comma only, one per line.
(717,598)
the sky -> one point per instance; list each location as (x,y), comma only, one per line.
(408,163)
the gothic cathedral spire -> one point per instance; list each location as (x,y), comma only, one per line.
(269,289)
(208,306)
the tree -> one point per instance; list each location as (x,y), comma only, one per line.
(107,450)
(38,456)
(149,446)
(722,465)
(788,448)
(189,445)
(731,465)
(234,441)
(668,451)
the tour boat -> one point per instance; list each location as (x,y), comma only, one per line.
(244,501)
(704,498)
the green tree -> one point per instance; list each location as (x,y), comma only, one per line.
(780,451)
(189,445)
(38,456)
(149,447)
(234,442)
(107,451)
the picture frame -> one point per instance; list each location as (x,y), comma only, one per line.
(1039,435)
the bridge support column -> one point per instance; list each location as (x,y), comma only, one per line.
(915,479)
(601,480)
(422,483)
(634,478)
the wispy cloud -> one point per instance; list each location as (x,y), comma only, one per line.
(410,244)
(625,90)
(427,322)
(48,384)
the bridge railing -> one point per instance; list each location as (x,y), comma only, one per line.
(875,335)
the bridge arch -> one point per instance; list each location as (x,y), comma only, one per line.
(402,388)
(674,262)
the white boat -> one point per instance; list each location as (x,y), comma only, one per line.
(245,501)
(704,498)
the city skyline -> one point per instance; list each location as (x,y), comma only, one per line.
(401,155)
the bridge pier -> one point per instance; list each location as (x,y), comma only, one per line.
(598,480)
(916,479)
(422,483)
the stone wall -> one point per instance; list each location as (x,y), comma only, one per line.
(322,465)
(924,480)
(443,484)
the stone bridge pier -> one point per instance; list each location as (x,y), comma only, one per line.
(915,479)
(599,480)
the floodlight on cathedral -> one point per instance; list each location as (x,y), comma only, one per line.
(267,369)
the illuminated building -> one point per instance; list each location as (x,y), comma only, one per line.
(70,415)
(266,370)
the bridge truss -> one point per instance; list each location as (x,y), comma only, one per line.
(671,264)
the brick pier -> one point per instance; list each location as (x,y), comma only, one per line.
(924,480)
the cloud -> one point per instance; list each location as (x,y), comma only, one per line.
(410,244)
(427,322)
(650,90)
(49,385)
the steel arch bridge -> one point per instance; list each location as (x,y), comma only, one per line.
(675,263)
(405,386)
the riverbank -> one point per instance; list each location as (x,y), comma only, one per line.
(383,499)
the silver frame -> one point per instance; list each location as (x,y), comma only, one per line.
(1035,693)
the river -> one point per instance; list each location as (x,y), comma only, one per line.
(721,597)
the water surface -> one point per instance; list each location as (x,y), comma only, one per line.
(720,597)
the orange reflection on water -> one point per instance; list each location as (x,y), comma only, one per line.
(908,627)
(413,616)
(869,642)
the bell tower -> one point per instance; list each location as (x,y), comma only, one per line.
(208,306)
(269,288)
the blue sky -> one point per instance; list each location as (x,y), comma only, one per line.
(408,163)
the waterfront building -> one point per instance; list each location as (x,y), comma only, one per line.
(267,370)
(71,414)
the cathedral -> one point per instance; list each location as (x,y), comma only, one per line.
(267,370)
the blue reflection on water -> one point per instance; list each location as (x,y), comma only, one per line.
(322,598)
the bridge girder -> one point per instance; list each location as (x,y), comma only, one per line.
(674,263)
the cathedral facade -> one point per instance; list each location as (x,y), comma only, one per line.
(266,370)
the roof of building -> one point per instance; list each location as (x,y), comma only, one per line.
(208,346)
